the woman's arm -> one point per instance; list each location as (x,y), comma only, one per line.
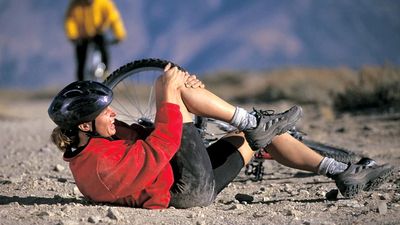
(134,167)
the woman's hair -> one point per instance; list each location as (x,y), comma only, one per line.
(64,139)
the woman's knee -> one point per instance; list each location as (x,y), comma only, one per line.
(238,140)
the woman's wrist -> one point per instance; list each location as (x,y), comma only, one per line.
(171,95)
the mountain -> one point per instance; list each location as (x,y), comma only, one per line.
(205,36)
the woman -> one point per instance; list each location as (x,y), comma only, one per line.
(130,165)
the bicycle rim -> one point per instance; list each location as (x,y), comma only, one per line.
(337,153)
(133,86)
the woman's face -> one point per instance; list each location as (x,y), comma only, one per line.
(105,122)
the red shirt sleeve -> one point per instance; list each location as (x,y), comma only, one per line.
(137,168)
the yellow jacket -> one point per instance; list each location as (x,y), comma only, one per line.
(85,21)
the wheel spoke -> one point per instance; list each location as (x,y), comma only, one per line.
(134,90)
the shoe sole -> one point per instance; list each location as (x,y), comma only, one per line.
(372,185)
(352,190)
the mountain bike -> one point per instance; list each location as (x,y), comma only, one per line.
(134,101)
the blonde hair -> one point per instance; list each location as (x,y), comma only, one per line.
(64,139)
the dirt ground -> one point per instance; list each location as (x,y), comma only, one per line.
(36,186)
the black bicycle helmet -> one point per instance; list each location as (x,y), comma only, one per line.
(79,102)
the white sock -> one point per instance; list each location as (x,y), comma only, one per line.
(329,166)
(243,120)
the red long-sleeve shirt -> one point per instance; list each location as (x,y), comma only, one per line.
(134,172)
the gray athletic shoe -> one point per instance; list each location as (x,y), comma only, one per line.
(270,124)
(365,175)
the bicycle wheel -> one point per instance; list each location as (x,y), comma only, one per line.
(133,86)
(337,153)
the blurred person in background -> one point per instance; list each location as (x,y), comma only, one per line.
(88,21)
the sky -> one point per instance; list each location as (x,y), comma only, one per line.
(205,36)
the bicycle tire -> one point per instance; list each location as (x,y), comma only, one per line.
(133,87)
(337,153)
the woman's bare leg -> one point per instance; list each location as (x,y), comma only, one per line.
(202,102)
(290,152)
(186,115)
(284,148)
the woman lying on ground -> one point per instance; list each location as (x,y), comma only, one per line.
(168,165)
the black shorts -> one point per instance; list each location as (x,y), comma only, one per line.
(200,173)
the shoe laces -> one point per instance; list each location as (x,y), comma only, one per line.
(262,113)
(269,116)
(360,166)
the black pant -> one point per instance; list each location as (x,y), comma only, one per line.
(200,173)
(81,49)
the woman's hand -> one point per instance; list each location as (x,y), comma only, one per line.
(191,81)
(172,80)
(173,77)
